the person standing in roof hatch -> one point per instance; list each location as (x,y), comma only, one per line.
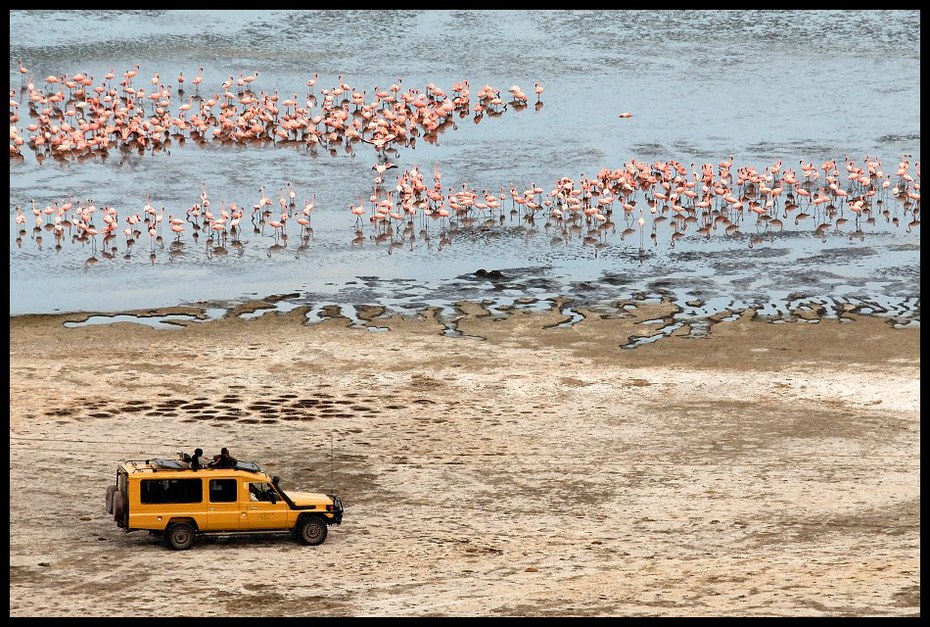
(223,460)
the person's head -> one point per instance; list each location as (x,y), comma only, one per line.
(198,452)
(224,451)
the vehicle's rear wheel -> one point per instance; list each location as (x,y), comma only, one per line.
(110,490)
(311,530)
(179,536)
(118,505)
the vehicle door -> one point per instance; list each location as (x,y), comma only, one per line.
(223,511)
(265,509)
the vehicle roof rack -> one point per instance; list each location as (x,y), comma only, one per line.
(167,463)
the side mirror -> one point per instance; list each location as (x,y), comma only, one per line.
(274,498)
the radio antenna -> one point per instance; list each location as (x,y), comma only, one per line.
(332,462)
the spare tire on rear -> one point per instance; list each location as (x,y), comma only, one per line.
(110,490)
(119,505)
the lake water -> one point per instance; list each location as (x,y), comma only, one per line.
(754,87)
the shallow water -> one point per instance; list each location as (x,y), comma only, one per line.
(757,86)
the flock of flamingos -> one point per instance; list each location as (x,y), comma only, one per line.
(71,117)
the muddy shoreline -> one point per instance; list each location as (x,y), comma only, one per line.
(523,468)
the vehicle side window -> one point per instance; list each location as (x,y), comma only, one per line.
(153,491)
(223,491)
(262,491)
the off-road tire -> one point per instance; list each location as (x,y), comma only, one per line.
(110,490)
(179,536)
(311,531)
(118,505)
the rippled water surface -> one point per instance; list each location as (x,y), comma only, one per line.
(757,87)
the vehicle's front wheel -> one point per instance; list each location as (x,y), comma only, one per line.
(179,536)
(311,530)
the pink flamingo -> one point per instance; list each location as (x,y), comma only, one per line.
(358,210)
(197,80)
(177,226)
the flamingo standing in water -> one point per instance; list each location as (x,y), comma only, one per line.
(308,208)
(20,218)
(358,210)
(197,80)
(247,80)
(177,226)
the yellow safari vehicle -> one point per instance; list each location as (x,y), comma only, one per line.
(170,499)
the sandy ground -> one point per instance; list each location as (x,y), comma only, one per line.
(764,470)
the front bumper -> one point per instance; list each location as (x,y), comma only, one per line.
(337,509)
